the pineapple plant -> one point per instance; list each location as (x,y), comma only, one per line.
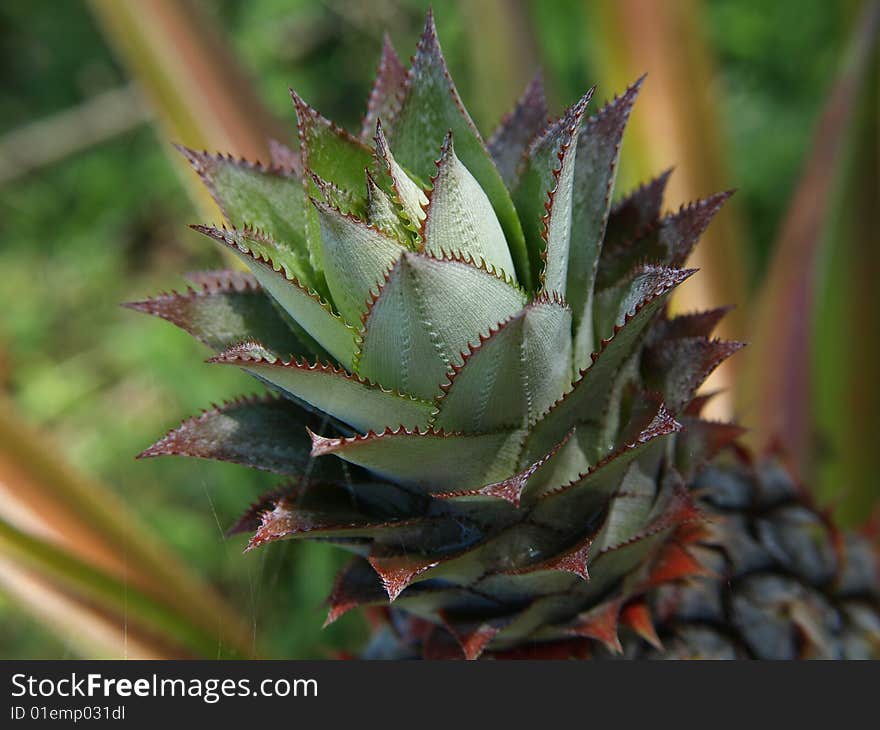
(475,388)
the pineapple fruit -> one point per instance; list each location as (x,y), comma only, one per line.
(481,396)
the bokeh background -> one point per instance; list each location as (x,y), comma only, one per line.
(101,555)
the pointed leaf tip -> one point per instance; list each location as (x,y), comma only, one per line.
(601,623)
(384,96)
(398,572)
(637,616)
(509,141)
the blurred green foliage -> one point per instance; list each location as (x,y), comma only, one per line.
(109,225)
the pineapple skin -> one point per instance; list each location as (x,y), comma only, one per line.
(784,583)
(484,399)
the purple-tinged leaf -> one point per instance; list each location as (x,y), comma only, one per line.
(700,441)
(261,432)
(397,572)
(632,214)
(598,147)
(227,308)
(680,231)
(669,241)
(357,584)
(286,159)
(677,368)
(325,512)
(698,403)
(251,518)
(696,324)
(385,94)
(509,141)
(612,306)
(586,401)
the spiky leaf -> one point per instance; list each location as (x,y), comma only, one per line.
(309,311)
(227,308)
(431,107)
(598,147)
(351,400)
(412,336)
(430,461)
(514,375)
(460,218)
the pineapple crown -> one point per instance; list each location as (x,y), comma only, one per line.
(475,343)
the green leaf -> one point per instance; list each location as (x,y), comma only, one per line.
(270,202)
(427,313)
(384,214)
(383,101)
(308,310)
(330,151)
(570,507)
(431,107)
(460,218)
(226,308)
(598,148)
(585,403)
(509,141)
(356,259)
(336,197)
(668,241)
(629,511)
(356,402)
(403,191)
(513,375)
(334,155)
(261,432)
(429,461)
(544,196)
